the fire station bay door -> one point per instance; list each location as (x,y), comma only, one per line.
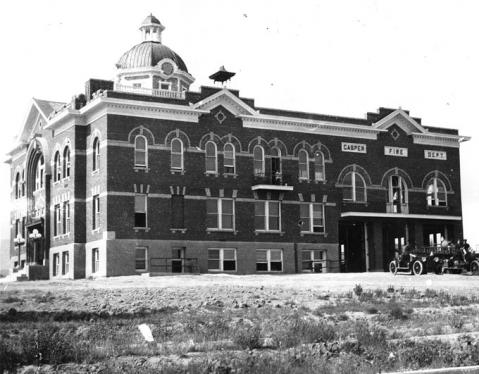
(352,247)
(395,236)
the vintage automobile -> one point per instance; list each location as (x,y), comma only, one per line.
(457,260)
(419,261)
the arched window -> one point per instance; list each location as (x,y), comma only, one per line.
(57,174)
(23,182)
(436,193)
(354,187)
(229,158)
(398,194)
(258,160)
(96,154)
(276,165)
(210,158)
(303,164)
(141,151)
(18,188)
(39,174)
(66,162)
(319,166)
(177,154)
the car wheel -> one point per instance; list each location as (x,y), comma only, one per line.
(393,268)
(475,268)
(417,267)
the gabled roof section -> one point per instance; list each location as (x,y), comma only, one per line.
(46,107)
(228,100)
(402,119)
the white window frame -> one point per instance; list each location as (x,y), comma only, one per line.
(353,186)
(65,264)
(160,83)
(306,165)
(18,191)
(434,201)
(221,260)
(268,260)
(145,196)
(215,157)
(57,165)
(66,217)
(96,212)
(402,188)
(278,156)
(233,159)
(56,264)
(96,154)
(311,227)
(219,214)
(66,162)
(266,215)
(146,259)
(145,151)
(181,154)
(322,166)
(39,173)
(57,215)
(258,172)
(95,260)
(313,260)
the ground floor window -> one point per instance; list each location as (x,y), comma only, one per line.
(140,258)
(56,264)
(65,262)
(313,261)
(269,260)
(95,260)
(222,259)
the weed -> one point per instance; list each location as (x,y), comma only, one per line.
(369,335)
(247,337)
(396,311)
(12,299)
(378,292)
(358,290)
(429,293)
(390,289)
(372,310)
(366,296)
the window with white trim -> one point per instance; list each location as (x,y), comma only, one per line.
(95,212)
(96,154)
(220,214)
(56,264)
(312,216)
(66,162)
(319,166)
(140,258)
(95,260)
(66,217)
(211,159)
(398,194)
(303,165)
(436,193)
(141,151)
(39,174)
(18,190)
(57,175)
(258,161)
(229,159)
(65,262)
(267,215)
(57,217)
(269,260)
(140,210)
(177,154)
(313,260)
(221,259)
(354,188)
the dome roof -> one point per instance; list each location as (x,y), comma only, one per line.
(151,19)
(148,54)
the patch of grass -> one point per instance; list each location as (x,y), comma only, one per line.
(12,299)
(46,298)
(358,290)
(369,335)
(372,310)
(247,337)
(396,311)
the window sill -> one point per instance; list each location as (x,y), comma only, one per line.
(355,202)
(66,179)
(221,271)
(96,231)
(269,271)
(145,229)
(137,168)
(440,207)
(234,176)
(95,172)
(325,234)
(212,174)
(182,231)
(62,236)
(269,232)
(177,171)
(304,180)
(209,230)
(323,181)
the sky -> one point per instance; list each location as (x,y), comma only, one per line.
(343,57)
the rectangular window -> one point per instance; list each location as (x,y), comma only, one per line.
(140,210)
(313,261)
(66,217)
(267,215)
(220,214)
(56,264)
(140,258)
(57,227)
(312,216)
(222,259)
(177,211)
(17,227)
(269,260)
(65,262)
(96,212)
(95,260)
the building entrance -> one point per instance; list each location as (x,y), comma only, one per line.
(178,256)
(352,246)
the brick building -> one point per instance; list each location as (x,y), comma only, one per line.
(141,174)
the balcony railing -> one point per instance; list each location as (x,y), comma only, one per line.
(397,208)
(276,181)
(167,94)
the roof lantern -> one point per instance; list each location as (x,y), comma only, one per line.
(151,29)
(222,75)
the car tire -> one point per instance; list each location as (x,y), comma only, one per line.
(393,268)
(475,268)
(417,268)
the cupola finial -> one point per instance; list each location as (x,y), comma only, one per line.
(151,29)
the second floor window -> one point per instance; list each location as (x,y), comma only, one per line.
(18,186)
(318,166)
(177,154)
(258,161)
(57,227)
(267,215)
(66,162)
(39,174)
(436,193)
(397,192)
(312,216)
(57,175)
(140,210)
(141,151)
(220,214)
(354,187)
(66,217)
(96,212)
(303,165)
(96,154)
(177,211)
(210,158)
(229,158)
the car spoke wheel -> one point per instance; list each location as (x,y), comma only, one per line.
(475,268)
(417,268)
(393,267)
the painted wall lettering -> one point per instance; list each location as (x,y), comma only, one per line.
(353,147)
(435,155)
(395,151)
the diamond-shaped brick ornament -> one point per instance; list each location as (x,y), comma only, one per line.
(395,134)
(220,117)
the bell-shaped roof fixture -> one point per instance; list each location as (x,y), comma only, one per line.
(151,29)
(222,75)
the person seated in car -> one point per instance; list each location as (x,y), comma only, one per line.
(406,253)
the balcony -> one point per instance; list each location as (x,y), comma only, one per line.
(167,94)
(397,208)
(274,182)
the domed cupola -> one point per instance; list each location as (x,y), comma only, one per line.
(151,65)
